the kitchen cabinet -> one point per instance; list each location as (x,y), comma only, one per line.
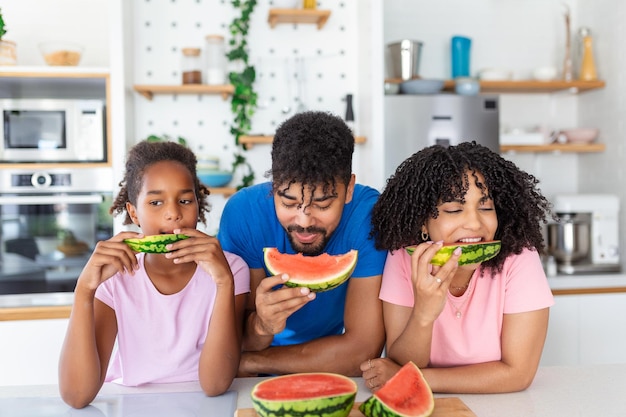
(249,141)
(296,16)
(586,329)
(29,351)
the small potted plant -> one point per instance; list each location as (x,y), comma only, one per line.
(8,55)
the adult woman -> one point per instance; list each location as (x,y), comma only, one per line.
(472,328)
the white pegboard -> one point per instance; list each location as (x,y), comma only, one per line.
(327,58)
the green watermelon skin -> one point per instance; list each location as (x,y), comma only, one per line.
(339,406)
(155,243)
(406,394)
(304,395)
(473,253)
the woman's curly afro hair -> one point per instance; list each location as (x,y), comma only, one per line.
(439,174)
(143,155)
(312,148)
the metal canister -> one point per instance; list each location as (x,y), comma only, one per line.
(405,59)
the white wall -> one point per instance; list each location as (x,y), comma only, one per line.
(30,22)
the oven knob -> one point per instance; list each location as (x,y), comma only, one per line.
(41,180)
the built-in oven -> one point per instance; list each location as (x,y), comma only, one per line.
(50,223)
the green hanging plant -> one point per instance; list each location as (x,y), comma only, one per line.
(2,26)
(243,103)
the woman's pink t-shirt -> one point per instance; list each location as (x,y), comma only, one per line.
(160,337)
(475,336)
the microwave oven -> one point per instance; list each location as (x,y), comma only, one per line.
(52,130)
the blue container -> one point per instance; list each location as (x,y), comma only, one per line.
(460,47)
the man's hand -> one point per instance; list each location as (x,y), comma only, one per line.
(273,307)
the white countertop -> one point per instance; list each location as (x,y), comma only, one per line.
(597,390)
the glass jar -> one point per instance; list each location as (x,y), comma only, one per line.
(215,60)
(191,66)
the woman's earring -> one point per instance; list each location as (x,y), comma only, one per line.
(425,236)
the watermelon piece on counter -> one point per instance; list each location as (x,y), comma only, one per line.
(406,394)
(304,395)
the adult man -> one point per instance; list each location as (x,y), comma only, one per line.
(312,206)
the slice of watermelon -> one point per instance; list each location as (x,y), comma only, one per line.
(304,394)
(319,273)
(155,243)
(473,253)
(406,394)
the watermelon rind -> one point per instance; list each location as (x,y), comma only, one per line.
(323,279)
(473,253)
(316,401)
(406,394)
(154,243)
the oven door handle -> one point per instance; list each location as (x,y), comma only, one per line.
(51,199)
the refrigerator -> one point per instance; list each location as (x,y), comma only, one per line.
(413,122)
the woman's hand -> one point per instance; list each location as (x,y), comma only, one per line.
(430,282)
(205,251)
(108,258)
(378,371)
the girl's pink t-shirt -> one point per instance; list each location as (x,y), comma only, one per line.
(160,337)
(474,337)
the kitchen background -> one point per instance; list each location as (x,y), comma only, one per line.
(139,42)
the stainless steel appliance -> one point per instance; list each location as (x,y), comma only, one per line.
(49,130)
(586,239)
(413,122)
(39,210)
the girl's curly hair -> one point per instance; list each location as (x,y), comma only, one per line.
(143,155)
(439,174)
(312,148)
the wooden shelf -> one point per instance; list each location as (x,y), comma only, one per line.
(148,91)
(249,141)
(555,147)
(225,191)
(525,86)
(296,16)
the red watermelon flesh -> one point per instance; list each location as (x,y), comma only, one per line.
(319,273)
(406,394)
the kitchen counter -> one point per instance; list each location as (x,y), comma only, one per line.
(556,391)
(58,305)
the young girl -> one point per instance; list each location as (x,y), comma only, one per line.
(476,328)
(176,316)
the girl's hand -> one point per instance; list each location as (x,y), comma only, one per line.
(430,282)
(205,251)
(109,257)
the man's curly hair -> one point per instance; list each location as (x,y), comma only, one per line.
(439,174)
(312,148)
(143,155)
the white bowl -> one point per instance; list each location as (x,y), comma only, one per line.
(494,74)
(544,73)
(581,134)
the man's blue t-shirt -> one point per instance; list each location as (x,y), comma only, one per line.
(249,224)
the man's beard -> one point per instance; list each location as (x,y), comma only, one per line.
(307,248)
